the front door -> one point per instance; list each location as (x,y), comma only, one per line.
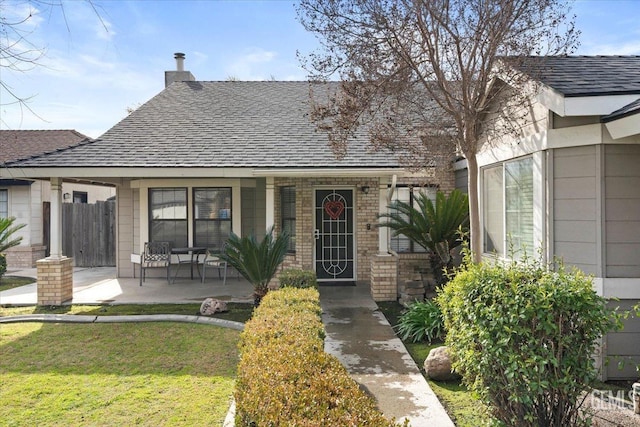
(334,235)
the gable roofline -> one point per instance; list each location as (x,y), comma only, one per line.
(583,85)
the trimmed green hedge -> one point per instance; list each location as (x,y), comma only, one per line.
(296,278)
(284,375)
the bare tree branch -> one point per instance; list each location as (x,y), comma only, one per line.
(422,74)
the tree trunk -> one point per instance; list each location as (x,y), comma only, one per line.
(474,207)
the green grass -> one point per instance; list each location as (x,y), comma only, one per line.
(116,374)
(10,282)
(237,312)
(463,408)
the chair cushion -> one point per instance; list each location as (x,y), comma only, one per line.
(151,264)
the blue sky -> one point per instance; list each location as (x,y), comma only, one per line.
(90,74)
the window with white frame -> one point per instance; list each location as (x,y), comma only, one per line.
(4,203)
(401,243)
(168,216)
(211,217)
(507,194)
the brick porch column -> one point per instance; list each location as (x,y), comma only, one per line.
(55,280)
(384,277)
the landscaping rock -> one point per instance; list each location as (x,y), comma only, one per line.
(211,306)
(438,365)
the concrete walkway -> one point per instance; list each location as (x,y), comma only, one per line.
(359,335)
(357,332)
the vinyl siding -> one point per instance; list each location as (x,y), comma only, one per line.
(126,231)
(622,207)
(623,347)
(574,207)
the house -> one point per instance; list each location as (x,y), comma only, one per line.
(26,199)
(569,185)
(203,159)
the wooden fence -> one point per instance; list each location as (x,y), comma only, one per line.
(89,233)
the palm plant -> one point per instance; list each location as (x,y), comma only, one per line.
(256,261)
(435,226)
(6,241)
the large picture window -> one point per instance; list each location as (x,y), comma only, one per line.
(168,216)
(211,217)
(4,203)
(401,243)
(288,213)
(508,208)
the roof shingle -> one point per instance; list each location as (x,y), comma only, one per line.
(22,144)
(219,124)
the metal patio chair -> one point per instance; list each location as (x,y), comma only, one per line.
(155,255)
(213,260)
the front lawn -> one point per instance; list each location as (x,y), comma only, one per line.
(116,374)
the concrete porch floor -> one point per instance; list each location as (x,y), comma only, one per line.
(99,285)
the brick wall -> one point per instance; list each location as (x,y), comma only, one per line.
(55,281)
(24,256)
(384,277)
(366,210)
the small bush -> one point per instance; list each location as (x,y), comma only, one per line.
(284,375)
(523,338)
(422,321)
(296,278)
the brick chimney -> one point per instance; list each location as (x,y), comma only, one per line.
(180,75)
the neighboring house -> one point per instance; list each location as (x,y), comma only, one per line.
(25,198)
(202,159)
(570,186)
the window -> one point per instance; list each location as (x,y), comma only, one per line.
(288,213)
(168,216)
(80,197)
(401,243)
(211,217)
(508,208)
(4,203)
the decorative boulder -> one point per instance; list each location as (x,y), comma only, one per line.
(211,306)
(438,365)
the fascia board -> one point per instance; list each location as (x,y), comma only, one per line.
(596,105)
(624,127)
(106,172)
(327,172)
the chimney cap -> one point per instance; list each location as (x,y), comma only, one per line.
(178,55)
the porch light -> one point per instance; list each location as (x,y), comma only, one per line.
(365,189)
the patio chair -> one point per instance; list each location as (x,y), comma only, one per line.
(213,260)
(155,255)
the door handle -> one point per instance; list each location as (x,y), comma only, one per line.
(316,234)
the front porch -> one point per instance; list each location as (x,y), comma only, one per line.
(101,286)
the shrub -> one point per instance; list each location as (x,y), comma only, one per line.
(3,265)
(296,278)
(256,261)
(422,321)
(284,375)
(523,339)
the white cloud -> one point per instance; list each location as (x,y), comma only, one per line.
(104,30)
(252,65)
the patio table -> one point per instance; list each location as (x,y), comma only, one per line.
(188,255)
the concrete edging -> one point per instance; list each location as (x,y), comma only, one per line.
(72,318)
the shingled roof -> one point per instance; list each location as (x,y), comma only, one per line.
(218,124)
(575,76)
(20,144)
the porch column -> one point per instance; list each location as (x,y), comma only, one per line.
(270,203)
(55,239)
(55,273)
(383,232)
